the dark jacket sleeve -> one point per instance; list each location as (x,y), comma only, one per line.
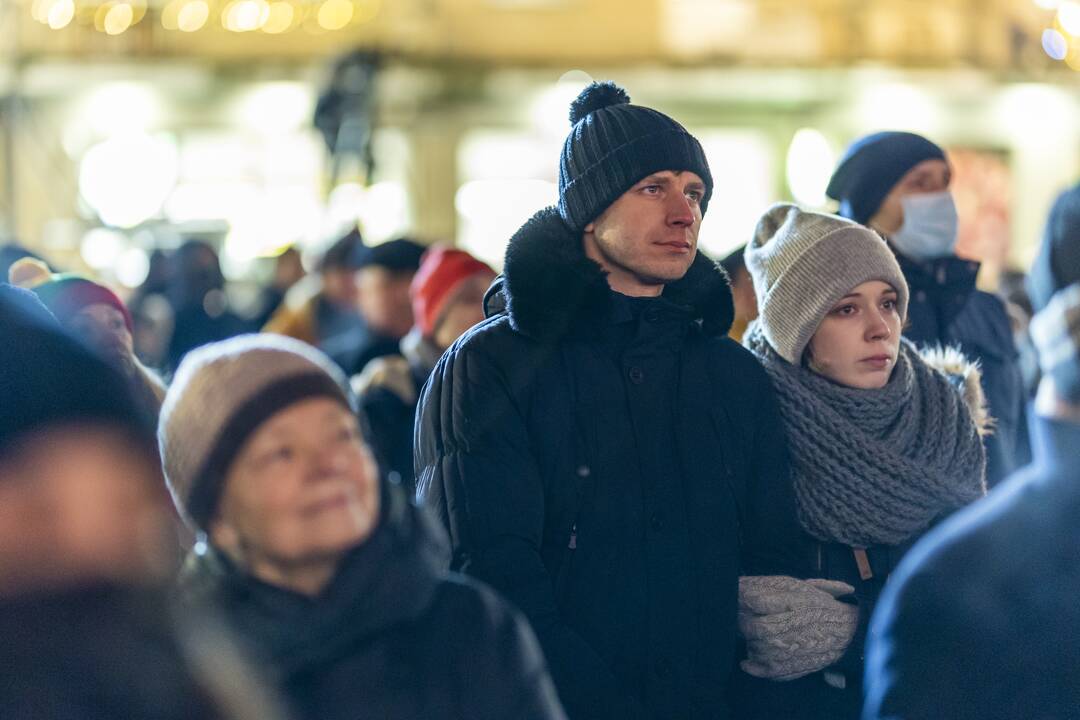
(774,542)
(509,677)
(475,468)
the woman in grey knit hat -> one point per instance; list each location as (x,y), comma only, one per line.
(885,441)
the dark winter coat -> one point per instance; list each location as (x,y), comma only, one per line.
(387,392)
(101,652)
(610,464)
(391,637)
(982,620)
(946,309)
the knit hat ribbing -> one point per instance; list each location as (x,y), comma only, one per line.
(221,393)
(872,166)
(803,262)
(613,145)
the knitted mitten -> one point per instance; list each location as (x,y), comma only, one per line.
(793,627)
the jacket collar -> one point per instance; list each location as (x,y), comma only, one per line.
(549,287)
(952,273)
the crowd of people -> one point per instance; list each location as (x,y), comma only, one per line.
(618,480)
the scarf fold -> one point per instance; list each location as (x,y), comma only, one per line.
(875,466)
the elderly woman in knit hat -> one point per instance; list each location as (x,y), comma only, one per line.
(883,445)
(96,315)
(332,577)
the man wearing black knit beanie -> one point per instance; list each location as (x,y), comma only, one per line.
(598,449)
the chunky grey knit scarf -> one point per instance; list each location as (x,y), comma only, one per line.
(875,466)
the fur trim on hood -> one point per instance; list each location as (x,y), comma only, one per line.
(967,377)
(549,284)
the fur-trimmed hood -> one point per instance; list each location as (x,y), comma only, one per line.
(967,377)
(548,284)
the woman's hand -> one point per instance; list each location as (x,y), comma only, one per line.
(793,627)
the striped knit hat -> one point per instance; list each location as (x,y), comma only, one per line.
(222,392)
(803,262)
(613,145)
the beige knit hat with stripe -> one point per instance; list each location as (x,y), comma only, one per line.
(221,393)
(803,262)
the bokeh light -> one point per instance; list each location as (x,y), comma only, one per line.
(192,16)
(119,18)
(810,161)
(100,247)
(127,178)
(61,13)
(335,14)
(280,18)
(1054,44)
(1069,17)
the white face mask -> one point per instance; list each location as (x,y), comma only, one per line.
(930,226)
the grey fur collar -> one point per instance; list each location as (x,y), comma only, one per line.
(548,284)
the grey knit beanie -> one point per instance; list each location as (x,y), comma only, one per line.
(613,145)
(221,393)
(803,262)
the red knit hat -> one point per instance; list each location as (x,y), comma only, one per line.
(64,294)
(441,271)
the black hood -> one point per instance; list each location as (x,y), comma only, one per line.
(548,284)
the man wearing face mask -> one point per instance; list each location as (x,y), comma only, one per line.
(898,184)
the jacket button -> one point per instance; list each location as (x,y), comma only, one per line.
(637,375)
(583,471)
(656,522)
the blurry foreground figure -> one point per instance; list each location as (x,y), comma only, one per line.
(898,184)
(83,543)
(885,441)
(95,315)
(982,620)
(447,298)
(334,579)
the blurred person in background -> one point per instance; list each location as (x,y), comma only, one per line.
(383,276)
(742,293)
(98,317)
(981,622)
(332,577)
(448,299)
(885,442)
(10,253)
(288,270)
(898,184)
(152,313)
(85,628)
(199,300)
(324,305)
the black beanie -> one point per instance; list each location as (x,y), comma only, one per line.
(400,255)
(613,145)
(50,379)
(1058,263)
(872,166)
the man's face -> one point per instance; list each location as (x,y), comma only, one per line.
(648,237)
(929,176)
(384,300)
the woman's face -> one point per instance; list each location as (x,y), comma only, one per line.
(857,343)
(302,491)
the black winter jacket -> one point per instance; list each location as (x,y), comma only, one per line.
(391,637)
(610,464)
(946,309)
